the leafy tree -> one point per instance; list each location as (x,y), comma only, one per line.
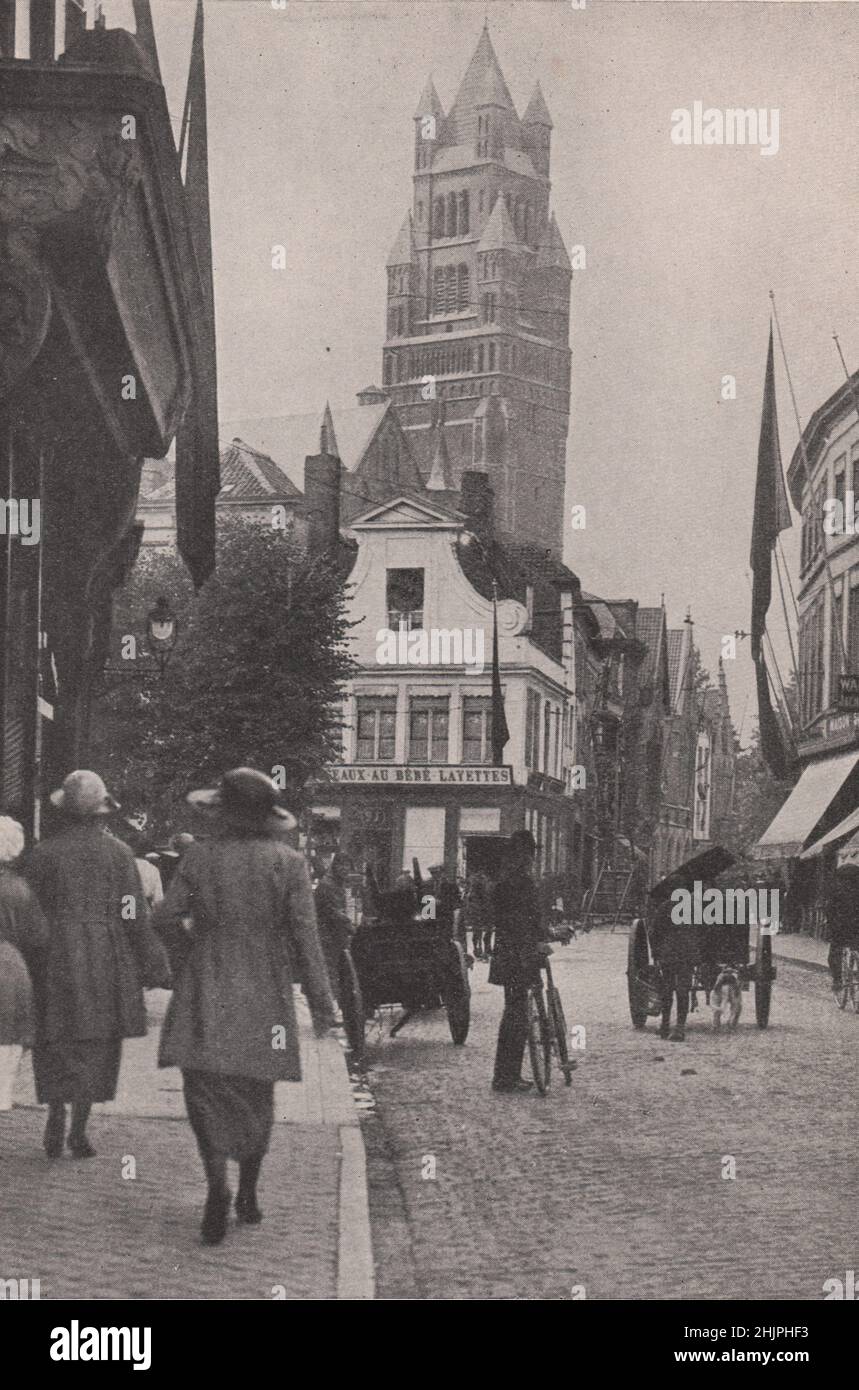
(255,679)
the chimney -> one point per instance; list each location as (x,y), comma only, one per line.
(322,502)
(476,503)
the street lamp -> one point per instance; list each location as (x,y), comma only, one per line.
(162,629)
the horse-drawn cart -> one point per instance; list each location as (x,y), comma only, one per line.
(737,954)
(405,957)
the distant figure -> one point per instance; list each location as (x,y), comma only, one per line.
(477,913)
(519,945)
(842,916)
(335,925)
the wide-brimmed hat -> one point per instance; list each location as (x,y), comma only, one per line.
(84,794)
(248,792)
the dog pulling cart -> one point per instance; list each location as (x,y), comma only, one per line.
(730,958)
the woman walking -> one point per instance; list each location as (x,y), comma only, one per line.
(89,991)
(23,936)
(246,900)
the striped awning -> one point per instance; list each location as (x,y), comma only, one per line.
(795,823)
(846,827)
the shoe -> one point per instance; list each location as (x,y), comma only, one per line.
(678,1035)
(664,1031)
(247,1211)
(54,1139)
(81,1148)
(214,1226)
(511,1087)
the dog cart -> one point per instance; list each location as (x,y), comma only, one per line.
(730,957)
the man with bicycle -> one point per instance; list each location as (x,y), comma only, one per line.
(519,946)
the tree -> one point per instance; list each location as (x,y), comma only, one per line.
(256,678)
(757,798)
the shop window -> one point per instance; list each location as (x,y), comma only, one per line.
(405,599)
(477,729)
(429,723)
(377,728)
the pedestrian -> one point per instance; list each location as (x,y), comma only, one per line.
(335,924)
(231,1025)
(519,945)
(146,861)
(477,913)
(23,935)
(100,954)
(676,949)
(842,917)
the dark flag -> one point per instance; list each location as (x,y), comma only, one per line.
(772,515)
(197,455)
(500,732)
(146,33)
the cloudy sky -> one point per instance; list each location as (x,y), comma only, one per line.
(311,147)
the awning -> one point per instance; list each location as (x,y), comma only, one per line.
(844,828)
(817,787)
(849,853)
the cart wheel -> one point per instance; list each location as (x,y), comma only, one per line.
(763,982)
(539,1040)
(457,995)
(559,1023)
(352,1005)
(637,961)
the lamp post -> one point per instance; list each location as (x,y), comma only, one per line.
(162,631)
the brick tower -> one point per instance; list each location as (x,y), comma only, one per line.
(479,300)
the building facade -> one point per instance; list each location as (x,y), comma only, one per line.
(479,300)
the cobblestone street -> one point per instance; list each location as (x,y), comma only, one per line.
(616,1183)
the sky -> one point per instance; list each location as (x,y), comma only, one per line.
(310,127)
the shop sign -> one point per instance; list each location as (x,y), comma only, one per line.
(370,775)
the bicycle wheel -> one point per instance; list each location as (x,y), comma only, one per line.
(539,1039)
(559,1028)
(352,1005)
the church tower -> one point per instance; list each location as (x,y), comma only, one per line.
(479,301)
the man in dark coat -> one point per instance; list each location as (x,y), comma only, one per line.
(519,945)
(335,924)
(842,917)
(676,948)
(100,953)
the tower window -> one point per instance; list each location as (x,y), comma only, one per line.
(480,201)
(463,213)
(492,357)
(438,217)
(450,289)
(451,214)
(438,290)
(462,287)
(480,357)
(420,211)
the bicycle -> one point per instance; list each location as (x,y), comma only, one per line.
(849,986)
(547,1030)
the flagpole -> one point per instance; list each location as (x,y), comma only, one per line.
(786,619)
(807,472)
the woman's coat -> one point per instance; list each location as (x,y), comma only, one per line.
(253,933)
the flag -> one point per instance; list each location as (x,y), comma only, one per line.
(771,516)
(772,513)
(146,33)
(197,455)
(500,732)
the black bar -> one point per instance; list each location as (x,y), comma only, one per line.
(42,13)
(7,28)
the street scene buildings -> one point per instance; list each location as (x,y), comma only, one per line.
(371,698)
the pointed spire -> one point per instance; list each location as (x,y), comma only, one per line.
(483,83)
(499,234)
(402,251)
(552,252)
(429,104)
(327,437)
(537,112)
(439,479)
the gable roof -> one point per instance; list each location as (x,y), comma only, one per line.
(537,112)
(246,476)
(402,250)
(407,510)
(499,234)
(552,252)
(483,83)
(289,439)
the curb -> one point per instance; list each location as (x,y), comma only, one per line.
(817,967)
(355,1270)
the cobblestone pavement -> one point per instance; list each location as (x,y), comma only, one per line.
(125,1224)
(616,1184)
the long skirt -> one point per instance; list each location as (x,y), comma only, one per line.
(230,1115)
(80,1070)
(10,1059)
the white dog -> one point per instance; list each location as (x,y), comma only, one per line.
(727,999)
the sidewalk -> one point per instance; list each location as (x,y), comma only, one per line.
(806,951)
(125,1225)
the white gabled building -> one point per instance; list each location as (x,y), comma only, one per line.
(417,777)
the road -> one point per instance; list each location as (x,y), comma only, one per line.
(619,1187)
